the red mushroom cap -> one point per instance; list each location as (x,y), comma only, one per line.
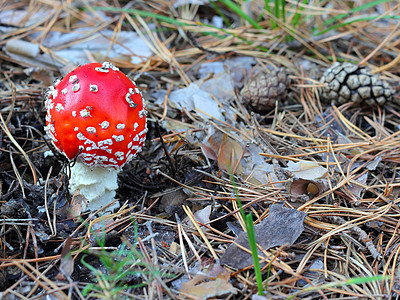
(97,114)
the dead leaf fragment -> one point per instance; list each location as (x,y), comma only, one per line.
(356,189)
(307,170)
(372,165)
(204,287)
(282,227)
(309,178)
(77,203)
(175,248)
(298,187)
(212,142)
(229,155)
(171,200)
(203,215)
(67,261)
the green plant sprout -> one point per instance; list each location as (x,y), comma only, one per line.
(341,17)
(251,236)
(279,12)
(120,266)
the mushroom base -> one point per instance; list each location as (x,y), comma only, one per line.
(97,185)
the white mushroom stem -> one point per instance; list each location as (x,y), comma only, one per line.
(98,185)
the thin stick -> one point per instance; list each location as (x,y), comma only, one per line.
(53,233)
(191,217)
(8,133)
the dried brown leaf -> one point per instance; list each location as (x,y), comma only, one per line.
(67,261)
(282,227)
(77,203)
(299,187)
(229,155)
(204,287)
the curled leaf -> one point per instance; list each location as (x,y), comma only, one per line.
(229,155)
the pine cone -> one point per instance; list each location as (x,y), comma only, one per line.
(265,89)
(348,82)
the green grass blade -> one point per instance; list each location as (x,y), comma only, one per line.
(176,22)
(248,220)
(277,12)
(261,48)
(351,281)
(268,9)
(219,12)
(297,15)
(355,9)
(354,21)
(235,190)
(254,253)
(237,10)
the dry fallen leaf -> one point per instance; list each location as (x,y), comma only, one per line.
(211,143)
(203,286)
(307,170)
(282,227)
(298,187)
(357,189)
(203,215)
(67,261)
(229,155)
(175,248)
(373,164)
(77,203)
(309,178)
(171,200)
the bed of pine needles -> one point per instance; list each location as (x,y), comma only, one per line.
(46,252)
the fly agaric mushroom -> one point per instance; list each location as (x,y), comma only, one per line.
(97,115)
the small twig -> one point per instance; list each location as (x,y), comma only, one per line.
(171,164)
(18,221)
(165,103)
(194,222)
(14,91)
(196,44)
(85,222)
(362,236)
(17,174)
(45,202)
(183,250)
(4,127)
